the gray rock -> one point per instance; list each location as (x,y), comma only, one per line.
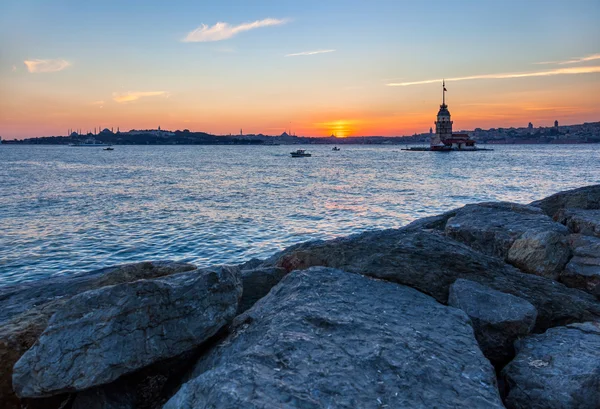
(580,221)
(324,338)
(521,235)
(583,271)
(557,369)
(431,262)
(26,308)
(543,253)
(257,283)
(498,318)
(431,223)
(587,197)
(99,335)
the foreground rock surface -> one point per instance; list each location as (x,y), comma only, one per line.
(431,263)
(587,197)
(99,335)
(583,270)
(26,308)
(581,221)
(557,369)
(498,318)
(324,338)
(521,235)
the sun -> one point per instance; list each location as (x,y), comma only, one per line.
(339,129)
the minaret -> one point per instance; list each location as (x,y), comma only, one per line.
(443,125)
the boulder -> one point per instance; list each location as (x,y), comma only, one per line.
(580,221)
(99,335)
(587,197)
(325,338)
(557,369)
(26,308)
(521,235)
(498,318)
(257,283)
(543,253)
(431,263)
(583,270)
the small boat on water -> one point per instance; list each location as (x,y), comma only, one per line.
(109,149)
(335,148)
(300,153)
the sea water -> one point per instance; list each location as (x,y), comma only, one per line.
(65,209)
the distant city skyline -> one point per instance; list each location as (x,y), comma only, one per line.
(347,68)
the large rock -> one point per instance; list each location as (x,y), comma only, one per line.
(99,335)
(498,318)
(587,197)
(325,338)
(583,270)
(521,235)
(580,221)
(26,308)
(431,263)
(544,253)
(557,369)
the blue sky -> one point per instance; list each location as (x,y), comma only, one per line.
(111,49)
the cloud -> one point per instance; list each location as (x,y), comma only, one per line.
(548,73)
(223,31)
(39,66)
(135,95)
(574,60)
(310,53)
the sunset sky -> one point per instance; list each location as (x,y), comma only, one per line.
(317,67)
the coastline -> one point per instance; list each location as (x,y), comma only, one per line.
(537,259)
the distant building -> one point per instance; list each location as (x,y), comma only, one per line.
(556,124)
(443,138)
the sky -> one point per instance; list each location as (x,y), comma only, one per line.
(314,68)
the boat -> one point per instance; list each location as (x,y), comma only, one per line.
(109,149)
(335,148)
(300,153)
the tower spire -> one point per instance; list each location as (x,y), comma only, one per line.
(444,92)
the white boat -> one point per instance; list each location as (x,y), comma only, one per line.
(300,153)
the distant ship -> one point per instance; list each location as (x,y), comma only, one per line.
(89,142)
(300,153)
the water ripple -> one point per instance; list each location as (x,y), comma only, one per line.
(66,210)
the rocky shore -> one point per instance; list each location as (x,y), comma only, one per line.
(488,306)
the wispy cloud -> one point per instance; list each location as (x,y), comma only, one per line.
(39,66)
(223,31)
(135,95)
(574,60)
(547,73)
(310,53)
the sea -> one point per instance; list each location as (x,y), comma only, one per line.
(65,210)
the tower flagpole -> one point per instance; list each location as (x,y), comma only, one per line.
(444,92)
